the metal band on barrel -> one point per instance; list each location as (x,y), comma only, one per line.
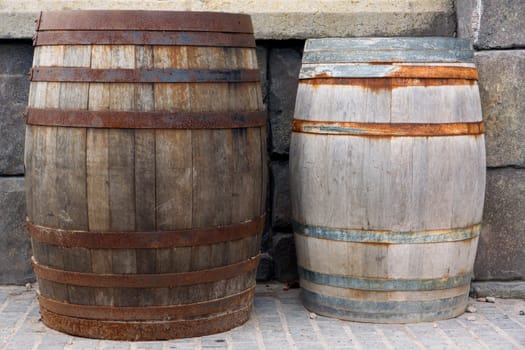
(121,75)
(145,120)
(163,280)
(210,39)
(386,129)
(161,312)
(388,237)
(389,83)
(385,311)
(103,20)
(384,284)
(150,330)
(145,240)
(327,71)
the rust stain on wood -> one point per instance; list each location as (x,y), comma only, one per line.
(387,83)
(386,129)
(145,120)
(441,72)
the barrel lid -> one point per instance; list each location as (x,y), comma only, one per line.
(424,49)
(101,20)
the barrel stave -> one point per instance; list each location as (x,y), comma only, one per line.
(123,179)
(387,166)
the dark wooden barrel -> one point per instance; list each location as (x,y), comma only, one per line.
(387,165)
(145,172)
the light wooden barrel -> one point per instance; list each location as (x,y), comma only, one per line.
(145,172)
(387,165)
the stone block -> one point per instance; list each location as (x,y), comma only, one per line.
(509,290)
(15,58)
(284,257)
(13,101)
(15,246)
(501,250)
(502,90)
(281,210)
(492,24)
(272,19)
(284,66)
(262,60)
(265,268)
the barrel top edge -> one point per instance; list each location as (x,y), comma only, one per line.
(388,44)
(99,20)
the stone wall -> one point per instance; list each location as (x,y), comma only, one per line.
(15,250)
(497,29)
(495,26)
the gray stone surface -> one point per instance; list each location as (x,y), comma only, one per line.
(280,322)
(492,23)
(281,210)
(502,90)
(262,60)
(272,19)
(284,257)
(508,290)
(501,250)
(15,58)
(13,100)
(15,246)
(284,65)
(265,268)
(15,61)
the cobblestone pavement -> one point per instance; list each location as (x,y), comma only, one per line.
(279,321)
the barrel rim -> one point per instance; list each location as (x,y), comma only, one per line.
(390,43)
(388,50)
(102,20)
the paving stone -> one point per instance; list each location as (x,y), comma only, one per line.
(113,345)
(245,346)
(276,345)
(151,345)
(311,334)
(309,346)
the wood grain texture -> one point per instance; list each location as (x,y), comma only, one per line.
(381,185)
(121,180)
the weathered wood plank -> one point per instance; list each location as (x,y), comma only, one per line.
(343,103)
(71,173)
(173,179)
(98,181)
(122,173)
(144,153)
(212,178)
(442,104)
(246,174)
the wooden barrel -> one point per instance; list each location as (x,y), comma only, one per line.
(387,166)
(145,172)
